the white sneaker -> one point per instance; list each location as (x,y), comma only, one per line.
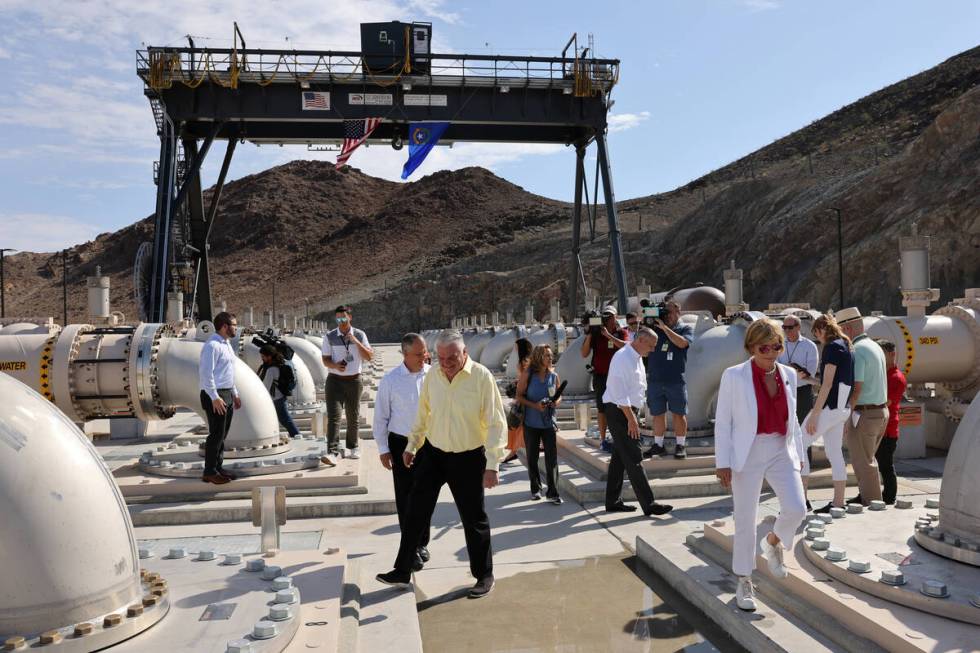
(745,594)
(774,556)
(355,453)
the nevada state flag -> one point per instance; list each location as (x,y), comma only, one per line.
(422,137)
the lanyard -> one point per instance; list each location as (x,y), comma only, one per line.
(794,350)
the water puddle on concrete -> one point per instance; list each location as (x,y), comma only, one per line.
(591,604)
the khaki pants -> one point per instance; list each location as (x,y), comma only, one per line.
(862,443)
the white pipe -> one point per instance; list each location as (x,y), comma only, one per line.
(933,348)
(710,354)
(571,368)
(959,498)
(304,395)
(253,425)
(98,296)
(312,356)
(67,548)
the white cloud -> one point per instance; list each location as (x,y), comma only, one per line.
(620,122)
(4,53)
(43,232)
(761,5)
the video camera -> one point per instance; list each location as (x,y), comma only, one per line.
(652,312)
(269,338)
(592,321)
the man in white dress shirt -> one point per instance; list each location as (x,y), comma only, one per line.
(626,392)
(801,354)
(219,396)
(395,407)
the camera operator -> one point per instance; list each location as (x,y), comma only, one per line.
(666,385)
(602,340)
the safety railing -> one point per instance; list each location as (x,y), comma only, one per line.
(161,68)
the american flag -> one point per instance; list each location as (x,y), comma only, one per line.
(355,133)
(316,100)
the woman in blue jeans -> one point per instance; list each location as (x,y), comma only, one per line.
(271,373)
(535,389)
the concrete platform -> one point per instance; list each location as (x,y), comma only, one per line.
(891,626)
(133,482)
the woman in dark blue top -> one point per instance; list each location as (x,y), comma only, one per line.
(830,409)
(535,389)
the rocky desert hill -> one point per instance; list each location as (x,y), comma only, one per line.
(467,242)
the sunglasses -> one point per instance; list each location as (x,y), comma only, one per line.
(632,323)
(765,349)
(341,320)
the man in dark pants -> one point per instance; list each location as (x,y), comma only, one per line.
(219,396)
(886,448)
(344,350)
(625,393)
(395,407)
(462,417)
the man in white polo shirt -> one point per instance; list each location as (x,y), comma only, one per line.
(626,391)
(344,349)
(395,407)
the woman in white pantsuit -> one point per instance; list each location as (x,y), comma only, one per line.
(757,437)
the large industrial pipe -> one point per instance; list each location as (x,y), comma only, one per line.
(479,342)
(312,357)
(571,367)
(143,372)
(553,335)
(67,547)
(497,351)
(303,397)
(941,348)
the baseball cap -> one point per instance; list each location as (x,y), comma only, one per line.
(609,310)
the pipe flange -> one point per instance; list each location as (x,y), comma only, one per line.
(66,351)
(948,408)
(961,312)
(745,316)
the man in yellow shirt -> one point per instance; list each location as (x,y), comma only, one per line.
(462,417)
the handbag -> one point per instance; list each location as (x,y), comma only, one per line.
(515,415)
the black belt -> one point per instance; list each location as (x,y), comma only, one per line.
(870,406)
(345,377)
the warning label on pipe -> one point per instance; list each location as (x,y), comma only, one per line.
(13,366)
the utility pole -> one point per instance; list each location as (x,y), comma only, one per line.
(64,285)
(840,257)
(3,290)
(273,301)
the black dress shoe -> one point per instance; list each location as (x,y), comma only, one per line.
(658,509)
(417,564)
(620,507)
(856,499)
(395,578)
(482,587)
(216,479)
(655,450)
(228,475)
(423,553)
(824,511)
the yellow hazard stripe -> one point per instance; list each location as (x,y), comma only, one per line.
(909,346)
(46,369)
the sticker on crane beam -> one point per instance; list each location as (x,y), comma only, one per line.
(47,361)
(909,346)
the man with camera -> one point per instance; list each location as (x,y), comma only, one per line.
(603,338)
(666,384)
(344,349)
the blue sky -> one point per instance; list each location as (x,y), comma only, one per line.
(703,82)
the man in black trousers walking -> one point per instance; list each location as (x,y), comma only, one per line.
(626,391)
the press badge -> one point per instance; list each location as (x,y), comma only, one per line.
(670,356)
(665,347)
(350,358)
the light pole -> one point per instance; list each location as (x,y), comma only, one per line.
(3,290)
(64,285)
(840,257)
(273,302)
